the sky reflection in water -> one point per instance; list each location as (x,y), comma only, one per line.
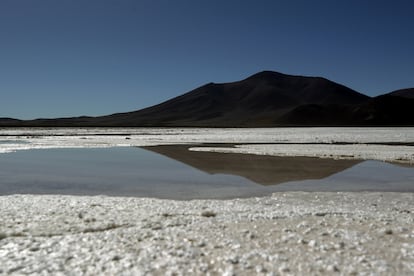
(173,172)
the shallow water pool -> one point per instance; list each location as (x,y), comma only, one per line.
(176,173)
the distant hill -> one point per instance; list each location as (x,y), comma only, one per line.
(405,93)
(265,99)
(385,110)
(10,122)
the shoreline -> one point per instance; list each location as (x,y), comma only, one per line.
(285,233)
(391,144)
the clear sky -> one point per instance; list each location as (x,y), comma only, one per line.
(93,57)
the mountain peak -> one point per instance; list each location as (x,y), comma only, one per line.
(267,75)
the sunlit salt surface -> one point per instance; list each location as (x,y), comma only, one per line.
(174,172)
(5,142)
(393,144)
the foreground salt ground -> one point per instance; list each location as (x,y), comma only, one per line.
(287,233)
(385,144)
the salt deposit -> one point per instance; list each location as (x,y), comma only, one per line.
(287,233)
(402,154)
(388,144)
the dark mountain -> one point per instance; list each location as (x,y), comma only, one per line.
(405,93)
(263,100)
(384,110)
(10,122)
(256,101)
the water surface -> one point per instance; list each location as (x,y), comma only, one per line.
(173,172)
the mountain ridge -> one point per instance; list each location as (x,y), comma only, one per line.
(405,93)
(264,99)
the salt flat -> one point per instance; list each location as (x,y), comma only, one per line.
(386,144)
(293,233)
(287,233)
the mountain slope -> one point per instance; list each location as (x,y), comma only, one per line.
(385,110)
(405,93)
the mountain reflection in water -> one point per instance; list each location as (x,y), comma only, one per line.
(261,169)
(174,172)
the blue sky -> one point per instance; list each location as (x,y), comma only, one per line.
(93,57)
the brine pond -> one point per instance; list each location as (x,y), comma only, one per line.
(174,172)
